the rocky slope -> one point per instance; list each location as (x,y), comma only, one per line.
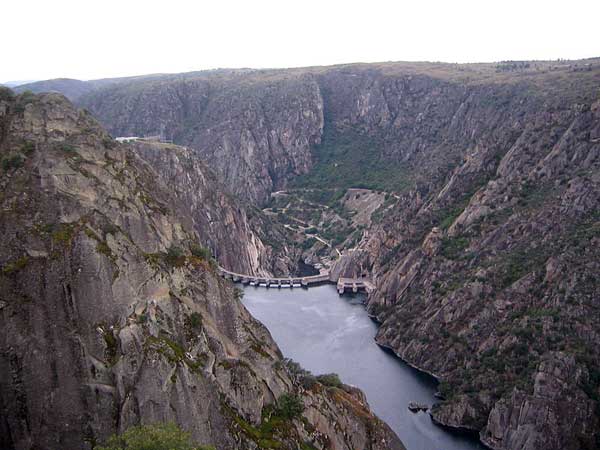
(111,315)
(485,253)
(486,267)
(255,131)
(241,238)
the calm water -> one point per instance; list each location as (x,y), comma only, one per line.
(328,333)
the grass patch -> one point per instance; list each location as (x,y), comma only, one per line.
(15,266)
(63,234)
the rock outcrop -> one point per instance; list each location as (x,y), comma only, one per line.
(241,238)
(255,132)
(111,315)
(538,420)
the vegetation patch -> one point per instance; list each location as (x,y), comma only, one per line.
(194,320)
(346,159)
(175,257)
(15,266)
(28,148)
(330,380)
(449,216)
(6,94)
(453,248)
(276,424)
(160,436)
(13,162)
(200,251)
(24,99)
(112,346)
(68,149)
(63,234)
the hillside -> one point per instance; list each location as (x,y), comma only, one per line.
(112,312)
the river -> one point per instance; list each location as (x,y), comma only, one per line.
(326,333)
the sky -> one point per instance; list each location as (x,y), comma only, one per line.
(89,39)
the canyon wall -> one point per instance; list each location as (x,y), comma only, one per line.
(112,313)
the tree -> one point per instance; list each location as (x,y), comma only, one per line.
(289,406)
(160,436)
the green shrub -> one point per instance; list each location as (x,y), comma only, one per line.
(449,217)
(330,379)
(109,143)
(12,162)
(68,149)
(308,243)
(200,251)
(6,94)
(63,233)
(15,266)
(166,436)
(452,248)
(175,256)
(28,148)
(308,381)
(26,97)
(195,320)
(238,293)
(289,406)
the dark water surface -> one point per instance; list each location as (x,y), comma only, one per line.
(328,333)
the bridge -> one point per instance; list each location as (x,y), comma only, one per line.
(343,284)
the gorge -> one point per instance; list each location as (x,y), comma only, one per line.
(468,194)
(328,333)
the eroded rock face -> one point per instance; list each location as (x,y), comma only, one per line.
(486,276)
(243,242)
(108,320)
(539,419)
(255,134)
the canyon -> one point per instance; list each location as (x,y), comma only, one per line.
(112,309)
(469,194)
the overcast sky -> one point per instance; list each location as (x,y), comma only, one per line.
(89,39)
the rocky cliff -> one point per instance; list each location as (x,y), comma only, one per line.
(240,237)
(485,250)
(485,261)
(111,312)
(256,130)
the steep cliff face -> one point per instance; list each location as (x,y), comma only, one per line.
(243,242)
(486,268)
(110,316)
(256,131)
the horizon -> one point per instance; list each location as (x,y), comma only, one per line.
(131,38)
(28,81)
